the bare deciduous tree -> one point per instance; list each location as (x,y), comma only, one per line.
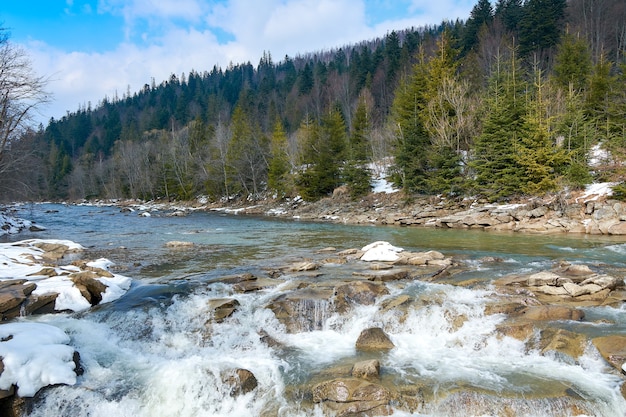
(21,92)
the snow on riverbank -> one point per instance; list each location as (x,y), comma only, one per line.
(12,225)
(25,260)
(36,355)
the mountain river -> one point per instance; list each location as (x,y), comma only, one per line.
(153,353)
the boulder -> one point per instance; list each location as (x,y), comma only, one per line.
(374,339)
(240,381)
(89,286)
(348,390)
(303,310)
(542,278)
(222,308)
(366,369)
(256,285)
(562,342)
(40,304)
(304,266)
(613,349)
(552,312)
(357,292)
(384,275)
(577,270)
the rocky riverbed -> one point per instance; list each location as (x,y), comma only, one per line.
(338,281)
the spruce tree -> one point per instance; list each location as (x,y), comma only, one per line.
(542,159)
(278,178)
(572,63)
(356,173)
(495,162)
(324,157)
(412,139)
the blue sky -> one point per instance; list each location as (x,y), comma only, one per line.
(95,48)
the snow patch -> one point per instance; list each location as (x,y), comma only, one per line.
(23,260)
(34,356)
(380,252)
(597,190)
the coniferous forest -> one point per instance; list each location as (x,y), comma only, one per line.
(524,97)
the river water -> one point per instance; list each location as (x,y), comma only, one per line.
(151,353)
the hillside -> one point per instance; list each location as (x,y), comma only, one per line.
(509,102)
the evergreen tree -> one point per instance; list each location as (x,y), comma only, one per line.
(572,63)
(444,157)
(480,17)
(278,178)
(324,158)
(356,173)
(412,139)
(495,162)
(510,13)
(541,158)
(541,25)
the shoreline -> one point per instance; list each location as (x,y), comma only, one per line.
(592,212)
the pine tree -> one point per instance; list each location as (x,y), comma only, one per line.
(278,178)
(356,173)
(480,17)
(510,13)
(444,156)
(541,25)
(572,63)
(412,139)
(324,157)
(541,158)
(498,173)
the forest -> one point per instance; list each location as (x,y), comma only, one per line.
(523,98)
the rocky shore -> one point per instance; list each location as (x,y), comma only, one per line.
(591,212)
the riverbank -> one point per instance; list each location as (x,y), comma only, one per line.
(591,211)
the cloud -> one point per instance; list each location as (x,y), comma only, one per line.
(176,36)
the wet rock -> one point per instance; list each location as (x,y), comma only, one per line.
(304,266)
(240,381)
(236,279)
(89,286)
(519,331)
(374,339)
(351,396)
(256,285)
(396,302)
(303,310)
(357,292)
(366,369)
(39,304)
(177,244)
(222,308)
(562,343)
(384,275)
(613,349)
(552,312)
(14,406)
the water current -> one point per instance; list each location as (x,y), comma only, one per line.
(152,353)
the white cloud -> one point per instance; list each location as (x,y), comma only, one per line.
(177,37)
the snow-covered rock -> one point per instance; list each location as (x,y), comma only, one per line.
(380,252)
(35,355)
